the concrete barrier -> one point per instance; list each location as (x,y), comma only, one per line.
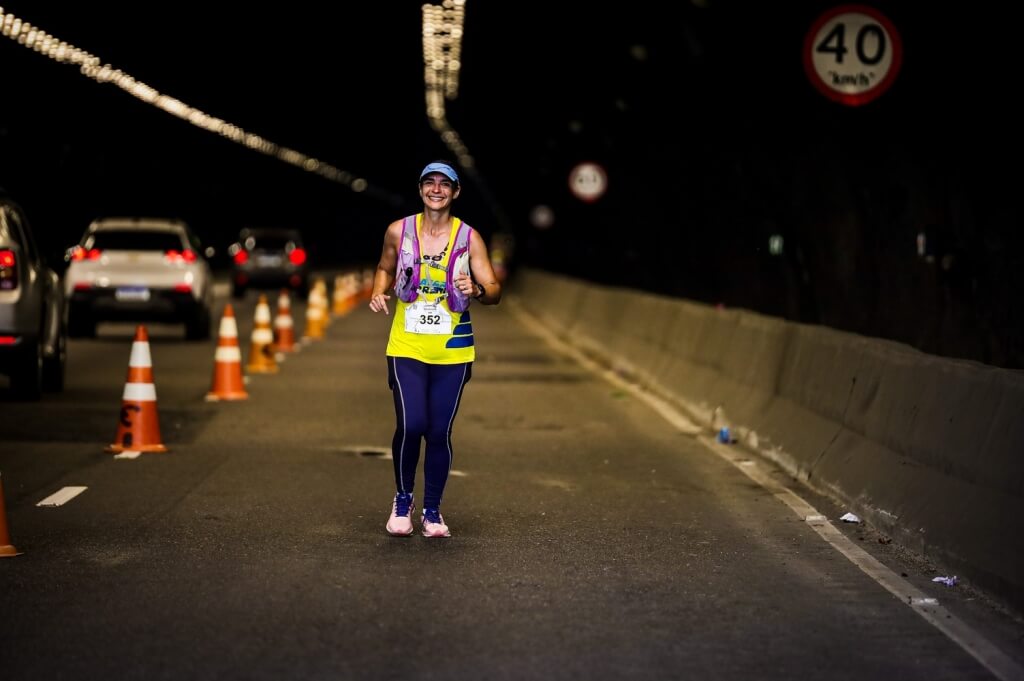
(927,449)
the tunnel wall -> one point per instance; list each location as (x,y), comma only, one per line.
(927,449)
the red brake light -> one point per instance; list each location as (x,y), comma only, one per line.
(180,256)
(8,269)
(183,288)
(297,256)
(8,340)
(80,253)
(241,257)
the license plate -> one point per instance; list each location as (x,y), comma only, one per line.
(132,293)
(269,261)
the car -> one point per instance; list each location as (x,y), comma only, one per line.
(33,338)
(139,269)
(268,257)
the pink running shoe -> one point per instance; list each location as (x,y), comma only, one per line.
(433,524)
(400,522)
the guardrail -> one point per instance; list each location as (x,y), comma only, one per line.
(927,449)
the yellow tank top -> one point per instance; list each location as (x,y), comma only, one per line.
(426,329)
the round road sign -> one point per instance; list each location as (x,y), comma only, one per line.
(588,181)
(852,54)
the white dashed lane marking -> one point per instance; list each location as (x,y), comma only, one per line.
(62,497)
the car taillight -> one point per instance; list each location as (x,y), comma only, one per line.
(297,256)
(241,257)
(8,270)
(80,253)
(180,256)
(183,288)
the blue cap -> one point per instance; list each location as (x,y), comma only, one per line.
(442,168)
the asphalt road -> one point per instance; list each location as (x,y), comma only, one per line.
(592,539)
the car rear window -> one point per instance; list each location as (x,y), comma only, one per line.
(268,242)
(114,240)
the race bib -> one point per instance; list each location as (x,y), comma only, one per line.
(423,317)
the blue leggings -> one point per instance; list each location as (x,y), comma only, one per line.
(427,398)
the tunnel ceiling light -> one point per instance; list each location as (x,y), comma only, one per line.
(443,30)
(36,39)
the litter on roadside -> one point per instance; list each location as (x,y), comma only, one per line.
(948,581)
(850,518)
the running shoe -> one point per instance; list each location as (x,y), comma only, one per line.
(400,522)
(433,524)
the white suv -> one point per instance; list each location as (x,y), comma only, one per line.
(138,269)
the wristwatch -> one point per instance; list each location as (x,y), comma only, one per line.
(481,293)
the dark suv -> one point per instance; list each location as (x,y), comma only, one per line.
(33,340)
(269,257)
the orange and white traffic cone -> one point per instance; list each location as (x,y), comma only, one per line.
(261,350)
(367,285)
(228,383)
(284,328)
(138,428)
(7,549)
(339,300)
(323,300)
(344,293)
(316,305)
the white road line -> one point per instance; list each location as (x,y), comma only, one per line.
(62,497)
(927,607)
(974,643)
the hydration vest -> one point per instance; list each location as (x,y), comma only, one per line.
(407,274)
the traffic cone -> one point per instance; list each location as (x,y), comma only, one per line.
(284,328)
(7,550)
(261,351)
(228,383)
(349,290)
(323,299)
(138,428)
(367,291)
(315,306)
(338,302)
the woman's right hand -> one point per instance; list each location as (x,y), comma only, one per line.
(379,302)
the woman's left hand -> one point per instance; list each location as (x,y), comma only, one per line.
(465,284)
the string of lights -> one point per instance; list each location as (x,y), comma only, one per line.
(443,29)
(442,59)
(38,40)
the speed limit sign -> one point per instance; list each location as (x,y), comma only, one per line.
(852,54)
